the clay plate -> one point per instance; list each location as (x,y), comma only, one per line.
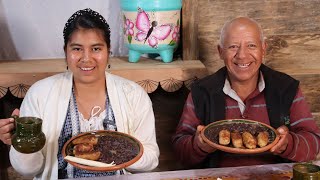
(211,132)
(68,150)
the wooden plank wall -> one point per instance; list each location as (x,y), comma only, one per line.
(292,29)
(190,30)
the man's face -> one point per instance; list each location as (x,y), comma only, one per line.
(242,51)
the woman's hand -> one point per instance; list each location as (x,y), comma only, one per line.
(282,144)
(6,127)
(201,144)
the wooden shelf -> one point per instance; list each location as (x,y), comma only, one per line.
(148,73)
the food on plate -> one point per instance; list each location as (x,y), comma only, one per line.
(224,137)
(84,147)
(91,155)
(263,138)
(236,139)
(86,151)
(81,148)
(116,149)
(249,140)
(244,136)
(90,139)
(243,140)
(106,148)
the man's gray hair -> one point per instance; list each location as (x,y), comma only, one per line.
(226,25)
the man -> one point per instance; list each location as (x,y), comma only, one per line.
(246,89)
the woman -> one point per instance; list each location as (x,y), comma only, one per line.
(84,99)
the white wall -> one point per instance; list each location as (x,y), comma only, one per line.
(32,29)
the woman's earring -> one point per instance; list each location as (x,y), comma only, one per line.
(67,67)
(108,68)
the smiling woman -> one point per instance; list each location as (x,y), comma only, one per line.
(86,98)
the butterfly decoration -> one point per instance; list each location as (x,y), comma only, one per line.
(150,31)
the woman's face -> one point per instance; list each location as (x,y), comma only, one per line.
(87,55)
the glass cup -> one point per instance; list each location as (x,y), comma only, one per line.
(28,136)
(306,171)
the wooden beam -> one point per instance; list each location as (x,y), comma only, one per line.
(190,29)
(148,73)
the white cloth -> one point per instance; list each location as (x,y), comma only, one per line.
(48,99)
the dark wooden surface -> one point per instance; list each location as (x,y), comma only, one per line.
(4,161)
(167,109)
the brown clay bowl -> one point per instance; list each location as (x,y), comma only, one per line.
(210,134)
(68,149)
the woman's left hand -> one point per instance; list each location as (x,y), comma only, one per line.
(282,144)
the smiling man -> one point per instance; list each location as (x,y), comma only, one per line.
(246,89)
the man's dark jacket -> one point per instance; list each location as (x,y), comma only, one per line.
(209,100)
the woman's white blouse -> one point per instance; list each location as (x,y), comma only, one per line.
(95,122)
(49,99)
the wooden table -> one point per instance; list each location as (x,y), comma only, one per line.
(261,172)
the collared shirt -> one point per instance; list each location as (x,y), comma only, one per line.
(230,92)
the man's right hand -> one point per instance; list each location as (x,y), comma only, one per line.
(6,127)
(201,143)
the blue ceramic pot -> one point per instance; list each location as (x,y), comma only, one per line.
(151,26)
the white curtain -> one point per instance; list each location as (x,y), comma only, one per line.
(32,29)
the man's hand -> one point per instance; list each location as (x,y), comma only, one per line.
(282,144)
(6,127)
(201,144)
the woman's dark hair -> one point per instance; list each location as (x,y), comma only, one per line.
(87,19)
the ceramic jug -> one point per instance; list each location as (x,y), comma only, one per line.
(151,27)
(28,136)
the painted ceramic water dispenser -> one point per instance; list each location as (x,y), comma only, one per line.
(151,26)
